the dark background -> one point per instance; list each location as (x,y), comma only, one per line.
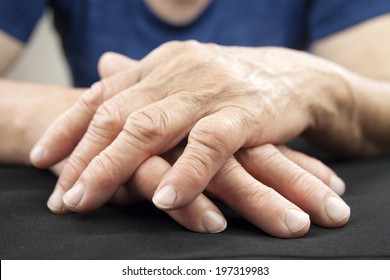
(28,230)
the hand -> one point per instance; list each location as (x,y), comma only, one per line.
(239,189)
(224,111)
(294,177)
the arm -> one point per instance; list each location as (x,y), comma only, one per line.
(22,102)
(363,48)
(369,58)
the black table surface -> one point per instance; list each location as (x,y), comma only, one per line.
(28,230)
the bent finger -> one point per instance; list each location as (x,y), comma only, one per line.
(200,216)
(259,204)
(315,167)
(210,143)
(268,165)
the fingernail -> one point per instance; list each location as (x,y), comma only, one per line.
(337,184)
(296,220)
(165,197)
(55,203)
(336,209)
(37,153)
(73,197)
(213,222)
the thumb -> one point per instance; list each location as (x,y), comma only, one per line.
(111,63)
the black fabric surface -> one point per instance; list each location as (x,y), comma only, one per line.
(28,230)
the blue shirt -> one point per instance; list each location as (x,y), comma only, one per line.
(89,28)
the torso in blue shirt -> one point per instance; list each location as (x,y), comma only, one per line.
(89,28)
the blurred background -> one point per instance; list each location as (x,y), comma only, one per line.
(42,59)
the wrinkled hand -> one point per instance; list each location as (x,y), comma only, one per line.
(222,98)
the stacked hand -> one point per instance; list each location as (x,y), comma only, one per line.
(123,137)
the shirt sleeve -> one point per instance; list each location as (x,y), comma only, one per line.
(330,16)
(19,17)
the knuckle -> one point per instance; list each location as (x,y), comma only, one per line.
(92,98)
(106,168)
(303,186)
(148,175)
(260,195)
(62,130)
(147,124)
(70,173)
(218,137)
(267,155)
(207,145)
(230,169)
(196,169)
(179,51)
(106,121)
(79,160)
(251,192)
(181,45)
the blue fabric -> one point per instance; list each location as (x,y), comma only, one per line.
(89,28)
(19,17)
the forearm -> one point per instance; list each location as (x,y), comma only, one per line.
(26,111)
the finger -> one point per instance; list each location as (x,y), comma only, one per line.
(210,143)
(315,167)
(111,63)
(201,215)
(64,133)
(259,204)
(268,165)
(121,197)
(56,169)
(150,130)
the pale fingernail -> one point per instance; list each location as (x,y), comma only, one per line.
(213,222)
(37,153)
(165,197)
(296,220)
(336,209)
(55,203)
(337,184)
(73,197)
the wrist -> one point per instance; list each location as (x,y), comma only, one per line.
(13,147)
(373,115)
(336,125)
